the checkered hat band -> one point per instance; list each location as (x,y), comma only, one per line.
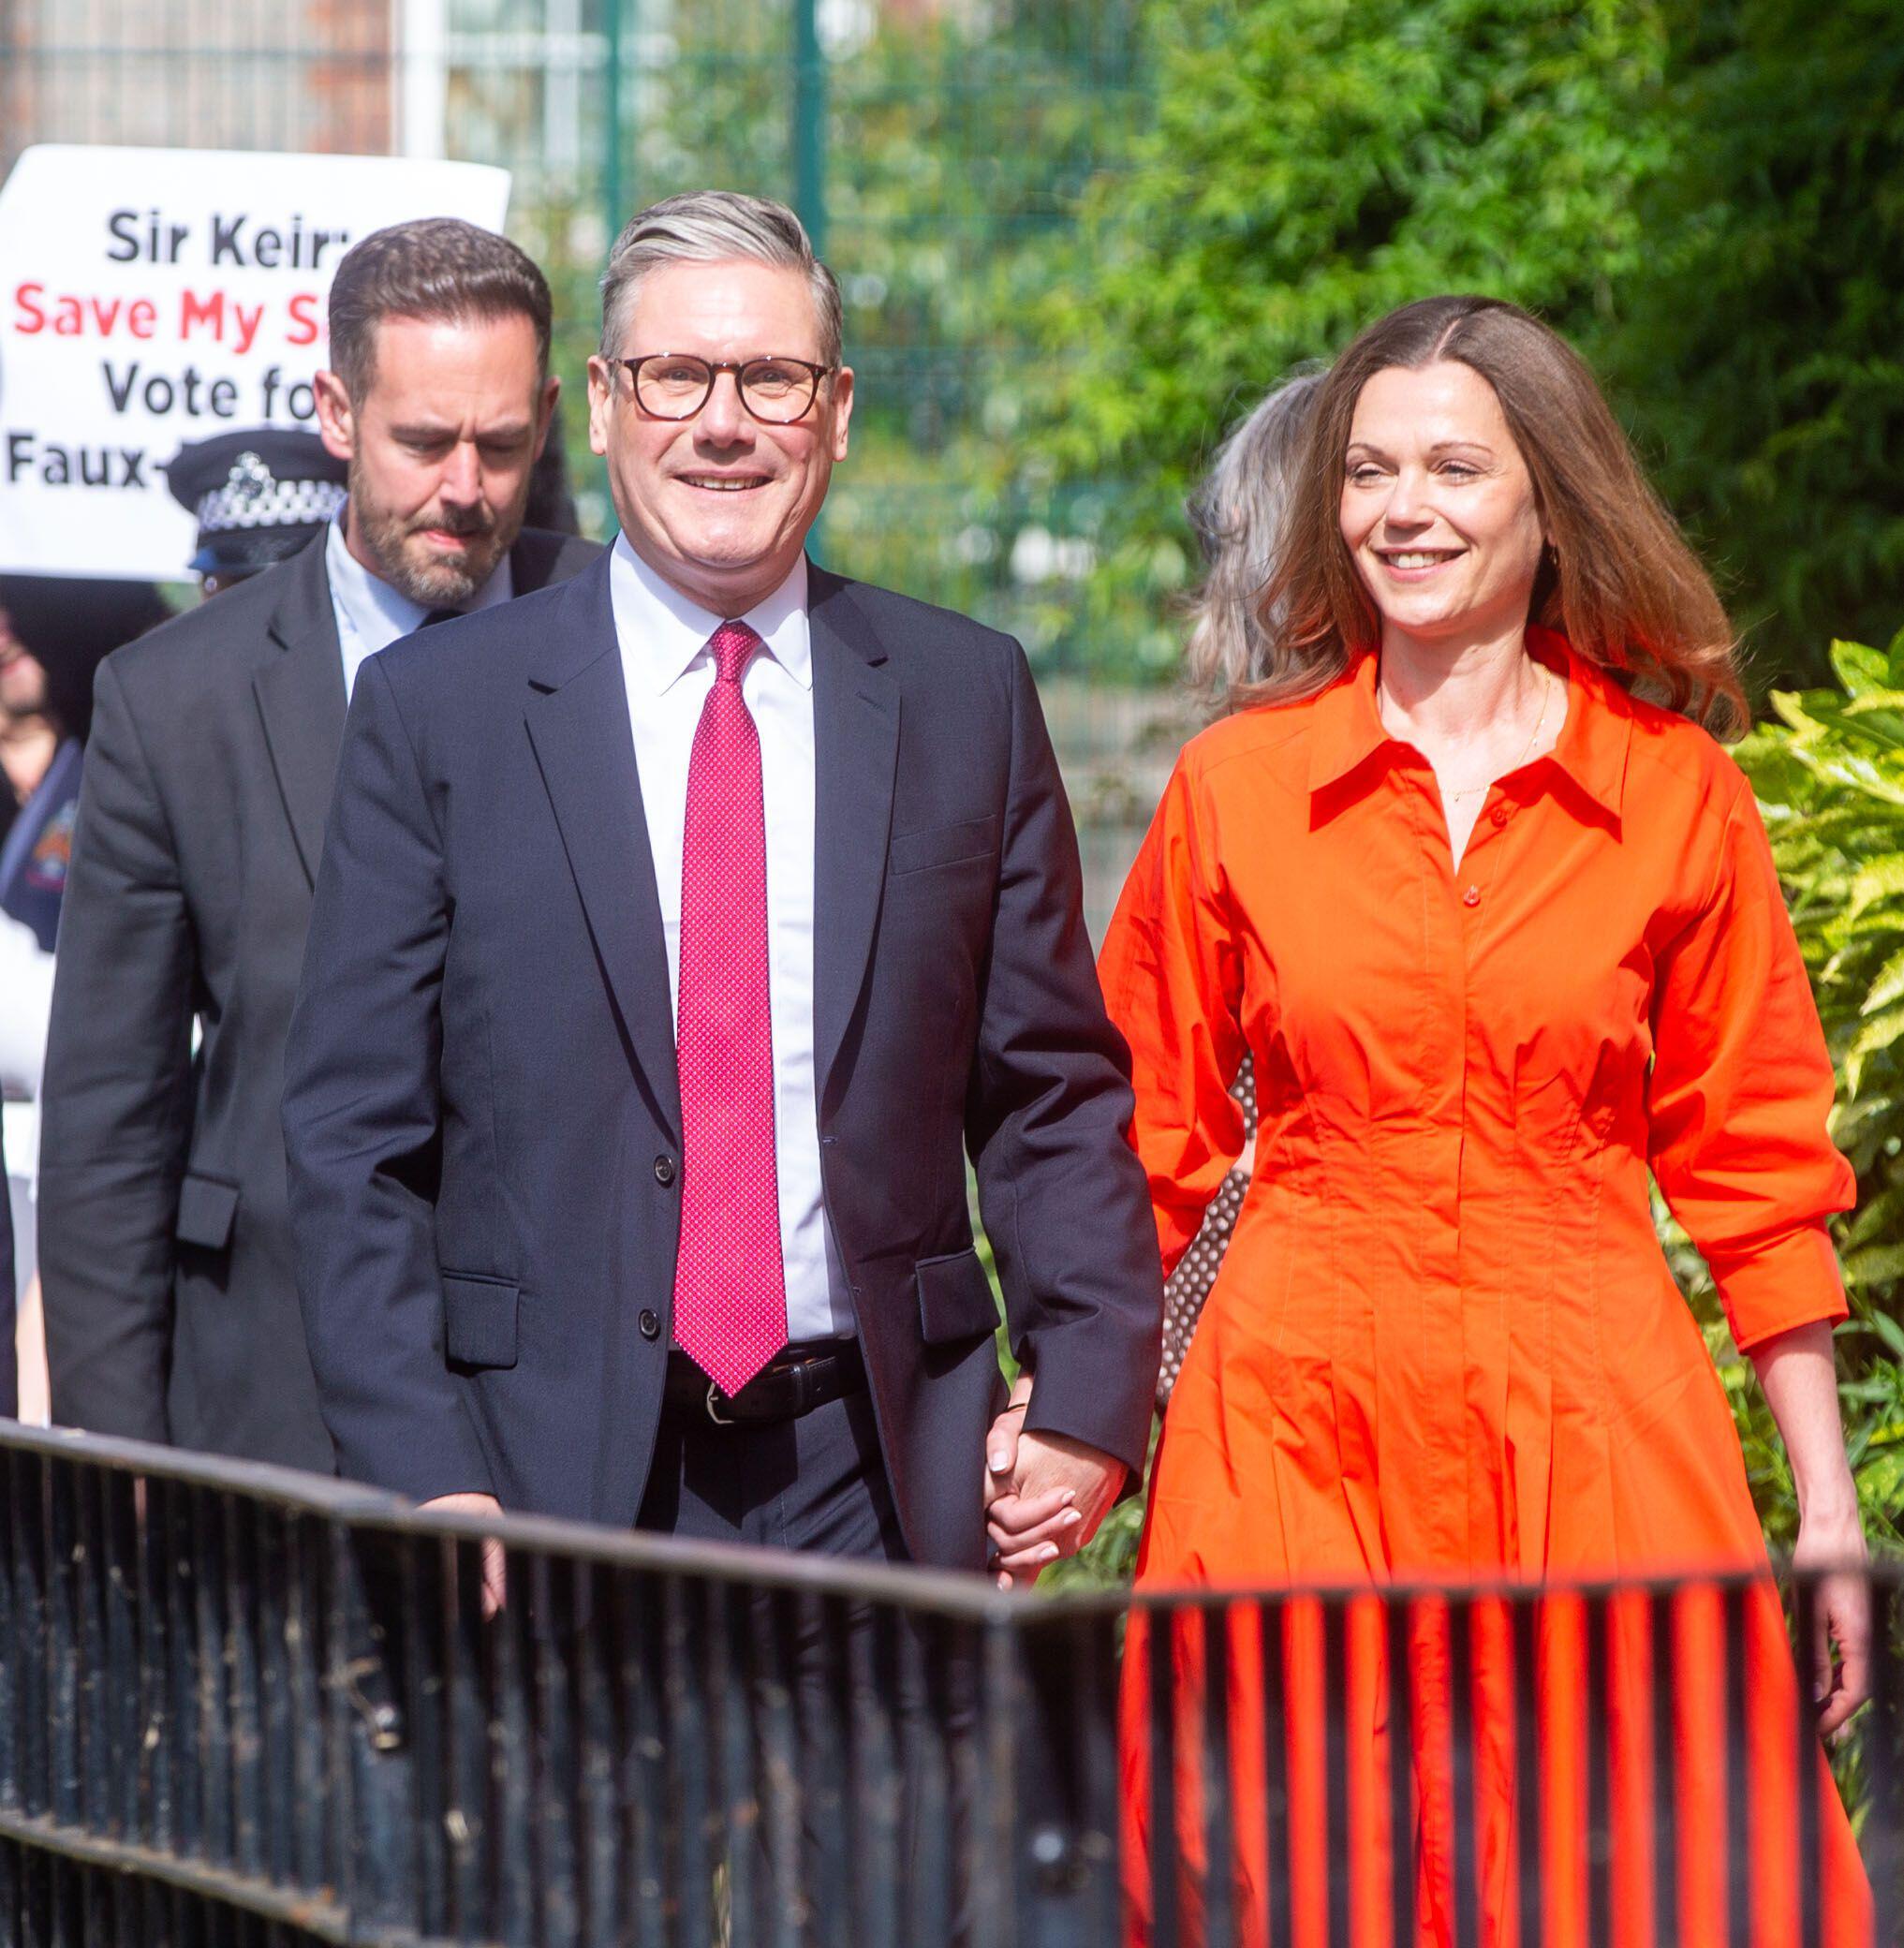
(281,504)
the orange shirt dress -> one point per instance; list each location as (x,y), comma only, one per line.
(1444,1344)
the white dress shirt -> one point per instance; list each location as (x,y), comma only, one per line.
(668,672)
(371,614)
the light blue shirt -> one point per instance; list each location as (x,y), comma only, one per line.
(371,614)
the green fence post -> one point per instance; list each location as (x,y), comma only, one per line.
(611,157)
(809,124)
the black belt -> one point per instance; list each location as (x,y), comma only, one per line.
(799,1377)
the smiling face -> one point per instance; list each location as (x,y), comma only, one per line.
(719,505)
(1439,510)
(439,448)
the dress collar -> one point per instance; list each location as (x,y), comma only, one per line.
(1591,749)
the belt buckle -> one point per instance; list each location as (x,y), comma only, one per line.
(714,1412)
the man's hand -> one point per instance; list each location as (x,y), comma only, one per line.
(1046,1494)
(494,1571)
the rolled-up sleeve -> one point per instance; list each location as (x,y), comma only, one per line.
(1740,1092)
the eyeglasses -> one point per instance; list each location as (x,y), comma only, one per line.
(676,385)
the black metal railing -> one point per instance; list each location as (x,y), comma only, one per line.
(240,1705)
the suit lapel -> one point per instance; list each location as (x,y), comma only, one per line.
(578,720)
(300,695)
(856,748)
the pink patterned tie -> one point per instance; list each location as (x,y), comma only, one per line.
(729,1283)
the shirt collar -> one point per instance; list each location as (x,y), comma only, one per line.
(376,611)
(662,633)
(1591,749)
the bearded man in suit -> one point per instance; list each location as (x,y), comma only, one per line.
(165,1246)
(680,933)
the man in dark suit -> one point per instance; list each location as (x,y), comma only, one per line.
(679,932)
(165,1248)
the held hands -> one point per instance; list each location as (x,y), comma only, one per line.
(1841,1614)
(494,1571)
(1046,1494)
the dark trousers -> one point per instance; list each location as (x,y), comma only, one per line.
(879,1725)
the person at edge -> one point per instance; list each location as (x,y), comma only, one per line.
(1474,881)
(1240,514)
(171,1304)
(704,914)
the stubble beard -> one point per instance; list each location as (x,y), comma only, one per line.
(420,575)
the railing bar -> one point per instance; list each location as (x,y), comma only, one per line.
(1598,1791)
(98,1695)
(816,1657)
(1810,1775)
(274,1697)
(13,1631)
(1736,1772)
(1160,1627)
(1278,1859)
(465,1734)
(38,1842)
(602,1919)
(1462,1787)
(242,1621)
(1662,1617)
(173,1501)
(209,1637)
(738,1838)
(1883,1750)
(1219,1840)
(785,1890)
(513,1823)
(1524,1613)
(1399,1621)
(303,1655)
(1339,1852)
(997,1874)
(63,1645)
(1093,1663)
(425,1706)
(556,1779)
(685,1737)
(155,1828)
(645,1798)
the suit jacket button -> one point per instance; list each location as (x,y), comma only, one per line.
(664,1171)
(650,1324)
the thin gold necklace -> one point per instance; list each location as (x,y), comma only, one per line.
(1533,738)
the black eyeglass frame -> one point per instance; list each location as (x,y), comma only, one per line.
(714,368)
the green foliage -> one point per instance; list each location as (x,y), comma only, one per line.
(1309,166)
(1830,777)
(1761,349)
(1708,200)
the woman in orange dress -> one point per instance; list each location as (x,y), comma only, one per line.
(1502,937)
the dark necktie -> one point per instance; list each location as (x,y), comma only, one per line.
(729,1280)
(436,615)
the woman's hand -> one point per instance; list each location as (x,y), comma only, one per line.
(1841,1615)
(1799,1374)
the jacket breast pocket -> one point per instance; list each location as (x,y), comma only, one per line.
(955,1300)
(942,845)
(207,1206)
(479,1319)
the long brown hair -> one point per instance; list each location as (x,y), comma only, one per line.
(1618,580)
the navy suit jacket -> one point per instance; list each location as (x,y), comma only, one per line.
(481,1110)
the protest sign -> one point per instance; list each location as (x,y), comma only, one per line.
(153,296)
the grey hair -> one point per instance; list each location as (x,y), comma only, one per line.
(1240,511)
(716,226)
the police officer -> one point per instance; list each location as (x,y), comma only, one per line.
(258,496)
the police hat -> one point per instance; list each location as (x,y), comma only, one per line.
(257,495)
